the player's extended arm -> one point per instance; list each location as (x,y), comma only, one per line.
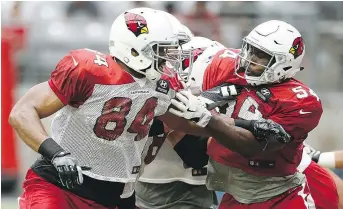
(212,98)
(237,139)
(182,125)
(256,137)
(224,130)
(248,137)
(332,159)
(339,159)
(39,102)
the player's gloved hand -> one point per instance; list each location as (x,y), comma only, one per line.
(268,129)
(218,96)
(265,129)
(69,172)
(314,154)
(188,106)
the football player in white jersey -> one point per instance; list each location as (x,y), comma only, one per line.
(104,106)
(166,182)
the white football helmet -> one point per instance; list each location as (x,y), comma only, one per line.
(203,51)
(183,33)
(282,42)
(141,39)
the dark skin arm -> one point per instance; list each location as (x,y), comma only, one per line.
(39,102)
(237,139)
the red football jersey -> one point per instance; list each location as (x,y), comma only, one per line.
(291,104)
(76,74)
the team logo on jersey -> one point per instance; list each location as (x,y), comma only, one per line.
(199,172)
(135,169)
(264,94)
(162,86)
(297,47)
(262,163)
(136,23)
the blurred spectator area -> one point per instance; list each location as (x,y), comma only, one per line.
(54,28)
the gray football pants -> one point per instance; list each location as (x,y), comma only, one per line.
(174,195)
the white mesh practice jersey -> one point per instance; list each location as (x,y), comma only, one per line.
(108,114)
(163,165)
(167,166)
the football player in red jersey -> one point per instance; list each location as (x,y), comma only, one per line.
(257,166)
(333,159)
(104,107)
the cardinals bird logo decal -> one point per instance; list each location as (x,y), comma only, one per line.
(136,23)
(297,47)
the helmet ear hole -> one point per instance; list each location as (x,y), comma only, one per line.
(134,52)
(272,62)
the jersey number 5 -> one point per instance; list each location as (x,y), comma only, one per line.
(302,93)
(112,121)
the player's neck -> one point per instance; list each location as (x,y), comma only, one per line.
(129,70)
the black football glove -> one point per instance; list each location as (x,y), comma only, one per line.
(265,129)
(69,172)
(268,129)
(314,154)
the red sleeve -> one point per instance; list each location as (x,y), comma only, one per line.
(71,82)
(174,81)
(221,70)
(299,117)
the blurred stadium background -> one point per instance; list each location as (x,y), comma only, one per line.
(35,35)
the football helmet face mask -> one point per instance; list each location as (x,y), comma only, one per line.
(271,53)
(142,38)
(184,35)
(203,50)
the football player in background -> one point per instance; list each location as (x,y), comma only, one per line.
(166,182)
(328,160)
(104,107)
(333,159)
(260,138)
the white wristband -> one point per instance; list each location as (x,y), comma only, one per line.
(327,160)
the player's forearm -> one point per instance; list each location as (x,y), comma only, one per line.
(25,120)
(175,137)
(235,138)
(339,159)
(193,129)
(182,125)
(329,159)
